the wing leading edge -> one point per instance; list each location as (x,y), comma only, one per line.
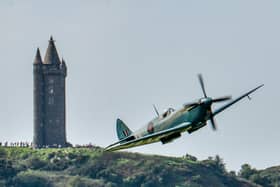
(236,100)
(149,138)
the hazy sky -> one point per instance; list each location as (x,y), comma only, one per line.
(123,56)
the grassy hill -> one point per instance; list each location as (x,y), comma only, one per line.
(84,167)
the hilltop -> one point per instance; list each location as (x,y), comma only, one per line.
(94,167)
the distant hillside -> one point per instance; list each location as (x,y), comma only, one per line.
(82,167)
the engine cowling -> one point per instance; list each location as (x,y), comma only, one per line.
(196,127)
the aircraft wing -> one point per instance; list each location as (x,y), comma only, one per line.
(155,137)
(131,137)
(235,100)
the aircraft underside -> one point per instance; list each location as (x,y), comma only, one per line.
(170,138)
(164,138)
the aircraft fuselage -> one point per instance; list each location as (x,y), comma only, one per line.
(197,116)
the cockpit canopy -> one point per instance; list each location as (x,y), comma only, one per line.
(167,112)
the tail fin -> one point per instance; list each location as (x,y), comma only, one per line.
(122,130)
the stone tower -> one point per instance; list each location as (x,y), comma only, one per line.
(49,99)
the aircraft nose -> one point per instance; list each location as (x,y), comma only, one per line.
(206,101)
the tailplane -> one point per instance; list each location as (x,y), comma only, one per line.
(122,130)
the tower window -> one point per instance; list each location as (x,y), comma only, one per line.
(50,100)
(51,91)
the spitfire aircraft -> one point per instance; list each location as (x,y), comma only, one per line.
(172,123)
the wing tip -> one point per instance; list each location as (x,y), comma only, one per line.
(257,87)
(260,86)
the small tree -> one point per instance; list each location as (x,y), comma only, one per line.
(232,173)
(220,163)
(246,171)
(190,157)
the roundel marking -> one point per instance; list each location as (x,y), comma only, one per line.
(150,128)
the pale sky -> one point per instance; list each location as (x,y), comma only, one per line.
(123,56)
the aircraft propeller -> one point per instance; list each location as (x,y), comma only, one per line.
(202,85)
(207,100)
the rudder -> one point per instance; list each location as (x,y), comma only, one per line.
(122,130)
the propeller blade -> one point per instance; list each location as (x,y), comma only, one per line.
(214,127)
(220,99)
(202,84)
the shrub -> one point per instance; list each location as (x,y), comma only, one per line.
(32,179)
(78,181)
(35,163)
(7,169)
(2,183)
(3,153)
(190,157)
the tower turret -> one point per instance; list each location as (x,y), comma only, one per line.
(63,67)
(38,96)
(38,59)
(51,56)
